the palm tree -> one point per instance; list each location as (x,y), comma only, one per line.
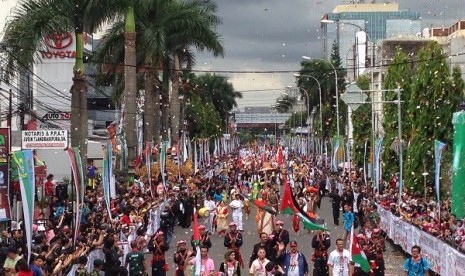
(165,31)
(32,21)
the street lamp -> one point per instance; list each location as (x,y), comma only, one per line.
(308,104)
(337,92)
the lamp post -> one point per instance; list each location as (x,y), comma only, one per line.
(308,104)
(337,92)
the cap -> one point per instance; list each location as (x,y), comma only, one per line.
(232,223)
(279,222)
(201,226)
(181,242)
(293,243)
(376,230)
(159,233)
(361,236)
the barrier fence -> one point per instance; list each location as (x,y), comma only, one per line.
(442,257)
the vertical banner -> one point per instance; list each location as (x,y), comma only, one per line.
(458,165)
(335,149)
(77,155)
(438,149)
(25,165)
(364,162)
(106,180)
(5,174)
(164,146)
(77,190)
(112,179)
(148,160)
(377,169)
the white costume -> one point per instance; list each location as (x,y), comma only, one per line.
(237,207)
(211,206)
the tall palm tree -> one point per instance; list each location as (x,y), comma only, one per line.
(32,21)
(165,31)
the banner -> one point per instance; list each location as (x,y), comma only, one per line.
(442,258)
(377,169)
(438,149)
(5,174)
(77,184)
(148,160)
(164,146)
(106,179)
(24,161)
(458,166)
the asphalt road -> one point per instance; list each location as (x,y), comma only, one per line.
(393,258)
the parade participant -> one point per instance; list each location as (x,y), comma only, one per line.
(135,261)
(211,207)
(349,219)
(230,266)
(11,260)
(158,247)
(237,206)
(258,265)
(112,255)
(336,205)
(416,265)
(280,235)
(294,262)
(221,218)
(264,221)
(265,242)
(204,238)
(320,244)
(181,258)
(207,266)
(233,240)
(339,260)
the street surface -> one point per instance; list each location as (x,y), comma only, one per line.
(393,259)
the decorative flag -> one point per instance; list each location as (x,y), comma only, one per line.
(290,206)
(76,180)
(164,146)
(378,147)
(24,161)
(438,149)
(262,205)
(196,241)
(358,256)
(280,155)
(364,162)
(196,162)
(106,180)
(148,154)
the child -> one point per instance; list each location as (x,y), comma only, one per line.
(81,270)
(98,265)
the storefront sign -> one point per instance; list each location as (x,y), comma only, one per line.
(44,139)
(4,173)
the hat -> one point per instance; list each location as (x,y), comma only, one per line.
(293,243)
(41,228)
(279,222)
(159,233)
(201,226)
(181,242)
(232,223)
(98,262)
(376,230)
(360,236)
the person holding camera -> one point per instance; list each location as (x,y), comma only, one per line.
(416,265)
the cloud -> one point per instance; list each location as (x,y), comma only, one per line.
(269,35)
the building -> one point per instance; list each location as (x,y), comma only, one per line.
(260,119)
(452,40)
(356,27)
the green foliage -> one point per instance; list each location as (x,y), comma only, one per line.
(361,121)
(399,75)
(295,120)
(433,99)
(202,117)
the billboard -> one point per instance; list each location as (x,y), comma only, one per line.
(4,173)
(44,139)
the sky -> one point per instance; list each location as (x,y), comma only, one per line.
(273,35)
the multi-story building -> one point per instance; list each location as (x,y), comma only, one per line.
(347,25)
(452,40)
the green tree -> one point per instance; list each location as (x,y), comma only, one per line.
(285,103)
(433,99)
(361,121)
(399,75)
(203,119)
(32,21)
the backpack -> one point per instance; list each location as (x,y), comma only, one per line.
(81,272)
(410,264)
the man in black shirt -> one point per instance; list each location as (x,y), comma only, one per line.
(264,243)
(336,204)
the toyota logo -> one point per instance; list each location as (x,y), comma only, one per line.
(59,40)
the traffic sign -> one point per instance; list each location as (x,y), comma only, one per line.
(354,96)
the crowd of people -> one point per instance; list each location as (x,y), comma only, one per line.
(132,236)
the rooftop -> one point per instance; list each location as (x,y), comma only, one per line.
(373,7)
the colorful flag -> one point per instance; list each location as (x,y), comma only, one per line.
(279,156)
(196,240)
(164,146)
(290,206)
(24,161)
(106,179)
(261,204)
(358,256)
(438,149)
(77,181)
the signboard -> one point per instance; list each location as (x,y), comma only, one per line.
(57,116)
(44,139)
(63,46)
(4,173)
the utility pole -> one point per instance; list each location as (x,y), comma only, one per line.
(10,108)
